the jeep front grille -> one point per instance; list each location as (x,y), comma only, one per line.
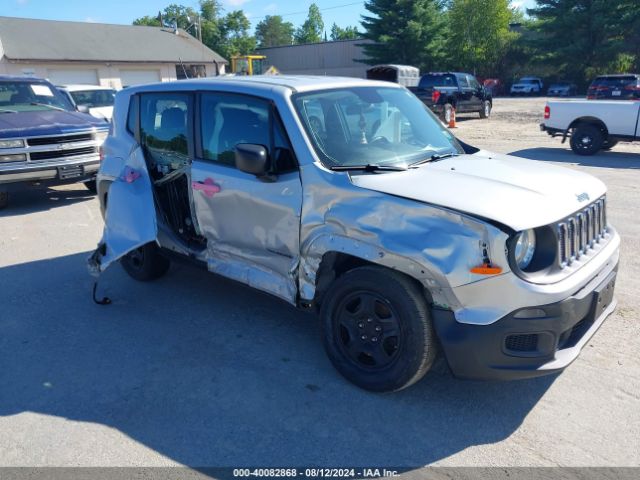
(580,232)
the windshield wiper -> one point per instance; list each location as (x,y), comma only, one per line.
(38,104)
(369,167)
(433,158)
(4,110)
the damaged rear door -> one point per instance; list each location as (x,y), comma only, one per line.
(130,215)
(251,224)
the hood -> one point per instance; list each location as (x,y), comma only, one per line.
(45,122)
(513,191)
(103,113)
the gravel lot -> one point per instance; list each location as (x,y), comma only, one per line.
(198,370)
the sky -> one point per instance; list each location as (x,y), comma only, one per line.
(342,12)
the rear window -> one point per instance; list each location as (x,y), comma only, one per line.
(620,82)
(438,81)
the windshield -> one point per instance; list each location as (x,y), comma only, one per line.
(94,98)
(23,96)
(372,126)
(447,80)
(528,81)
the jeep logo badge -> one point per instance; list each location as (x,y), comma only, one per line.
(582,197)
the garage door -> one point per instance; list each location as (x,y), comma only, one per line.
(68,77)
(137,77)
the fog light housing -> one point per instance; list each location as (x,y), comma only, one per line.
(18,157)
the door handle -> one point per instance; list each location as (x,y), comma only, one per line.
(208,187)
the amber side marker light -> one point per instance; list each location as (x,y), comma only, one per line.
(486,269)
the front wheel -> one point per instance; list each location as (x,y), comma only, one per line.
(377,329)
(586,140)
(145,263)
(486,109)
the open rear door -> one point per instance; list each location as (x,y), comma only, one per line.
(130,218)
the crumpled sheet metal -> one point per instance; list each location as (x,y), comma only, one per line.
(130,201)
(266,256)
(435,246)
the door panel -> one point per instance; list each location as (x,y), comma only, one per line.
(252,225)
(130,218)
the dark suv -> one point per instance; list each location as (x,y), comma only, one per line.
(43,140)
(615,87)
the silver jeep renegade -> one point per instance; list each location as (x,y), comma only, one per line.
(350,197)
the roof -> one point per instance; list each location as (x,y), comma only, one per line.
(82,88)
(296,83)
(31,39)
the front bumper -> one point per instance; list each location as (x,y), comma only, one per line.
(69,170)
(528,342)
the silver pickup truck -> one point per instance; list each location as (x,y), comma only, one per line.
(349,197)
(43,141)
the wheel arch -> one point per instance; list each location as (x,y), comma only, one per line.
(593,121)
(333,264)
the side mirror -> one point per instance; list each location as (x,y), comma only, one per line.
(252,158)
(83,108)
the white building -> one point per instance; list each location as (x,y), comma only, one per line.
(100,54)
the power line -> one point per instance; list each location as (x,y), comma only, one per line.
(322,9)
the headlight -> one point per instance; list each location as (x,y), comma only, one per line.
(11,143)
(525,247)
(101,136)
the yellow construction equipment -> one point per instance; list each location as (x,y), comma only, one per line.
(248,64)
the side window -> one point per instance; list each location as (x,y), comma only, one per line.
(227,120)
(164,131)
(462,81)
(473,83)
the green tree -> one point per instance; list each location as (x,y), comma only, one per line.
(408,32)
(348,33)
(273,31)
(313,27)
(479,35)
(236,39)
(584,38)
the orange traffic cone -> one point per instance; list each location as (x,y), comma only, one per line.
(452,118)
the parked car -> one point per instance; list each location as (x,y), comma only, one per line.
(593,126)
(562,89)
(494,86)
(527,86)
(615,87)
(444,91)
(91,99)
(43,141)
(404,239)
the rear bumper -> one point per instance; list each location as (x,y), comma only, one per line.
(52,173)
(530,342)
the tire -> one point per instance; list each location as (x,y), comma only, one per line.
(4,200)
(91,186)
(586,140)
(486,109)
(377,329)
(609,144)
(446,113)
(145,263)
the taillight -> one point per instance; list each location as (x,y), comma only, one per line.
(547,112)
(435,96)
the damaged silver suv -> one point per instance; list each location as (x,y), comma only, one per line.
(350,197)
